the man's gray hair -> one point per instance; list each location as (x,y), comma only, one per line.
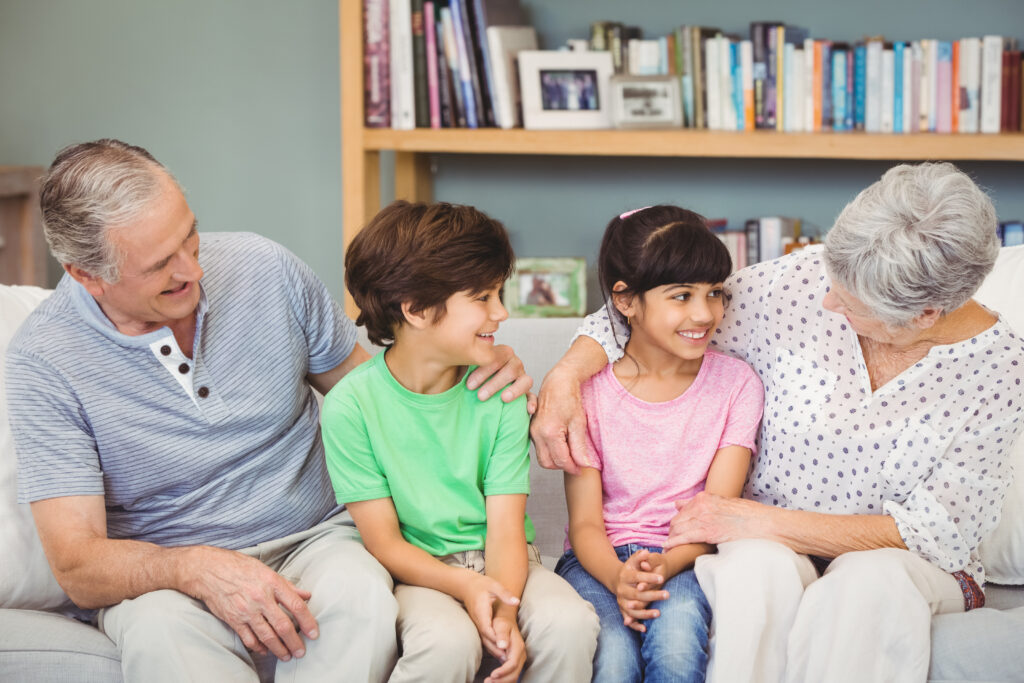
(924,236)
(91,188)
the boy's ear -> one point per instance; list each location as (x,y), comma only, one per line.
(624,303)
(419,319)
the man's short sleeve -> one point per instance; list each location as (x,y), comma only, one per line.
(57,454)
(331,336)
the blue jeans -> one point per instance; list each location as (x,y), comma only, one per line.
(675,646)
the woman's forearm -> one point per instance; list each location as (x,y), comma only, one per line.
(826,535)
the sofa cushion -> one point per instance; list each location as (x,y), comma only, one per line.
(25,577)
(1002,552)
(981,645)
(43,647)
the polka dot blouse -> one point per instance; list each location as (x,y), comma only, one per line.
(930,447)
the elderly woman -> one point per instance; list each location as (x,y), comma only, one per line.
(892,400)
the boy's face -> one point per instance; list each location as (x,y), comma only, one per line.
(466,331)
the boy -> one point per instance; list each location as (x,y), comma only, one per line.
(435,480)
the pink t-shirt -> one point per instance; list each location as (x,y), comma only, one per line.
(652,454)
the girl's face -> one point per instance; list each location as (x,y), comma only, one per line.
(678,319)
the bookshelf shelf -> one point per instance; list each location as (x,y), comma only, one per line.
(361,146)
(701,143)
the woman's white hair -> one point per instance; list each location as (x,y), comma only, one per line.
(923,236)
(90,189)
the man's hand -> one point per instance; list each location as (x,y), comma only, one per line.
(559,426)
(478,597)
(252,599)
(506,372)
(508,648)
(634,591)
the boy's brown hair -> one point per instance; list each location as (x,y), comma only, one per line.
(422,254)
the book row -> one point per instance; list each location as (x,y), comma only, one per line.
(452,63)
(769,237)
(781,79)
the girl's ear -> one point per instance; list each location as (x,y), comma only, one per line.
(624,302)
(419,319)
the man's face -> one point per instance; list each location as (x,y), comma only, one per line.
(160,269)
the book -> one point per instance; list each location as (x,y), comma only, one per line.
(943,87)
(504,43)
(886,90)
(906,125)
(759,42)
(376,65)
(1013,233)
(467,64)
(419,64)
(898,50)
(747,79)
(873,88)
(433,80)
(860,65)
(1014,115)
(736,63)
(970,81)
(839,56)
(488,13)
(827,121)
(813,94)
(774,48)
(713,84)
(991,84)
(451,49)
(403,87)
(752,229)
(954,90)
(446,99)
(698,37)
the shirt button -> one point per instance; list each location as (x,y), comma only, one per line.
(203,392)
(165,349)
(183,368)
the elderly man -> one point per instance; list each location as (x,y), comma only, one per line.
(167,434)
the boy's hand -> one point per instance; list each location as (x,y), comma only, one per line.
(478,597)
(633,590)
(656,563)
(509,648)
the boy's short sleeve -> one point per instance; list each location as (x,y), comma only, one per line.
(508,467)
(355,472)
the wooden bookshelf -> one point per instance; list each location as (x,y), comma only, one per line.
(361,146)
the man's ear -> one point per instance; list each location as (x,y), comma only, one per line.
(624,303)
(94,285)
(419,320)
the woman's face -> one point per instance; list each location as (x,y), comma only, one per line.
(841,302)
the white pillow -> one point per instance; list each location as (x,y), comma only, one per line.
(1002,552)
(25,578)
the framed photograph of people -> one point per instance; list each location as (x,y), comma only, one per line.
(547,288)
(645,102)
(562,89)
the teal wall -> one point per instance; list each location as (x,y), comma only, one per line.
(240,99)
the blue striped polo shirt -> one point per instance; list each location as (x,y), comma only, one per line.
(221,449)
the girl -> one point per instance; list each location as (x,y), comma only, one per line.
(668,420)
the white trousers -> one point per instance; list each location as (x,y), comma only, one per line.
(168,636)
(440,643)
(867,619)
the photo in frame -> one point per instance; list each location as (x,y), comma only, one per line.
(645,102)
(547,288)
(565,90)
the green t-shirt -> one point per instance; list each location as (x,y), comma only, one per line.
(437,456)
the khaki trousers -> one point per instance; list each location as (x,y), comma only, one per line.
(868,618)
(168,636)
(440,642)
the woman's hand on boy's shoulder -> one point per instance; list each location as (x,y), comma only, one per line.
(508,648)
(505,374)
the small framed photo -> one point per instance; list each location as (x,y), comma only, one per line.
(646,102)
(547,288)
(564,89)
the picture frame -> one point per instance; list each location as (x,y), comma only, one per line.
(565,90)
(645,101)
(547,288)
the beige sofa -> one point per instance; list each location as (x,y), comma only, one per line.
(37,643)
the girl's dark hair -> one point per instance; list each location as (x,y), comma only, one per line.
(423,254)
(660,245)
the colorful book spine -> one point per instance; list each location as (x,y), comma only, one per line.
(943,87)
(780,77)
(376,64)
(771,81)
(736,61)
(898,49)
(403,87)
(886,91)
(460,24)
(838,94)
(419,65)
(433,85)
(452,56)
(747,80)
(860,65)
(827,121)
(991,83)
(444,81)
(954,90)
(686,74)
(850,85)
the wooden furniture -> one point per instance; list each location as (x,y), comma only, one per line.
(22,247)
(361,146)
